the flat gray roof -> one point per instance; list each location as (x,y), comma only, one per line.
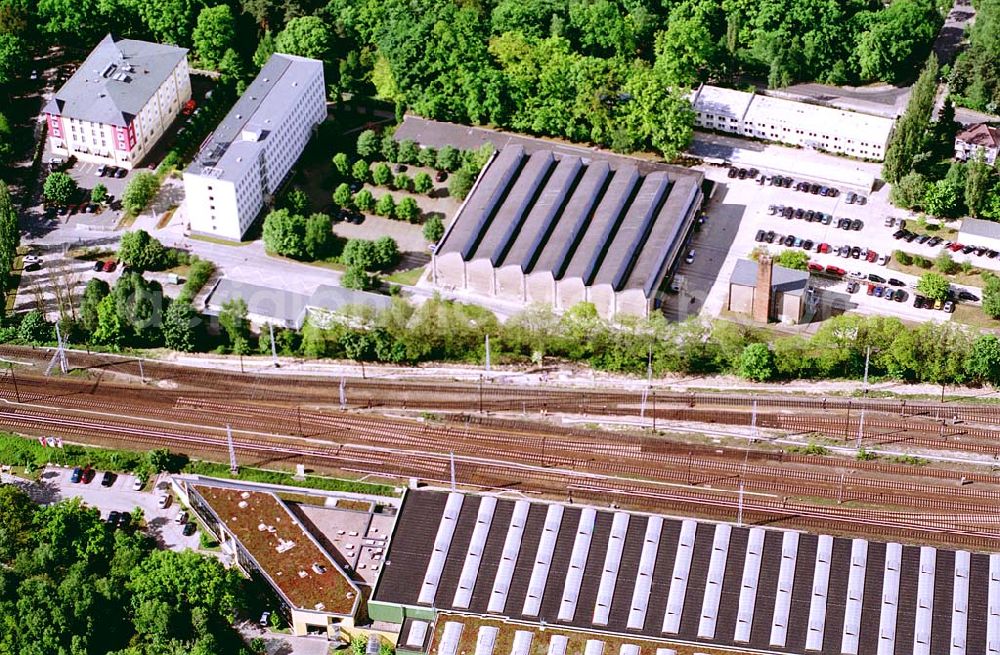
(230,150)
(115,81)
(335,299)
(785,280)
(285,306)
(980,228)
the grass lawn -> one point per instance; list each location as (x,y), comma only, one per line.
(932,229)
(219,242)
(333,264)
(973,315)
(10,300)
(406,278)
(972,278)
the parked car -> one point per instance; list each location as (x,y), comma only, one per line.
(857,224)
(879,290)
(884,259)
(164,501)
(786,182)
(797,243)
(860,199)
(872,256)
(896,283)
(732,172)
(871,289)
(88,475)
(814,267)
(113,517)
(949,306)
(759,236)
(876,278)
(76,475)
(189,107)
(889,294)
(90,208)
(918,301)
(101,170)
(900,295)
(851,197)
(789,240)
(124,520)
(107,479)
(835,270)
(898,234)
(910,236)
(965,295)
(823,247)
(855,252)
(265,618)
(137,484)
(807,244)
(742,174)
(814,189)
(934,241)
(845,251)
(776,180)
(852,287)
(788,211)
(109,266)
(799,213)
(937,303)
(120,172)
(992,254)
(769,237)
(690,258)
(189,529)
(967,249)
(923,238)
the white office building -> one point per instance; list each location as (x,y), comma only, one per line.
(246,159)
(787,121)
(119,102)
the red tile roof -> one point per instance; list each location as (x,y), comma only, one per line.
(980,134)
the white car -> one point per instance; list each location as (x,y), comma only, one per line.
(164,501)
(32,259)
(883,260)
(137,485)
(690,258)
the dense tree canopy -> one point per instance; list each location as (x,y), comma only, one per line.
(975,79)
(71,584)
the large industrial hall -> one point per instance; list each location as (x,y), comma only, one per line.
(560,229)
(622,579)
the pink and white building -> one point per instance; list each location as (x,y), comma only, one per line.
(119,102)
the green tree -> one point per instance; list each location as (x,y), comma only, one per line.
(265,48)
(381,174)
(284,234)
(944,263)
(109,331)
(179,326)
(139,192)
(34,329)
(367,145)
(460,183)
(95,291)
(355,277)
(434,229)
(979,180)
(14,55)
(897,38)
(386,206)
(170,21)
(342,196)
(408,210)
(59,188)
(933,286)
(139,251)
(139,304)
(757,362)
(403,182)
(296,201)
(983,364)
(409,152)
(306,36)
(318,236)
(794,259)
(233,320)
(214,33)
(10,236)
(449,158)
(342,164)
(17,512)
(910,134)
(427,157)
(909,192)
(359,171)
(99,193)
(943,198)
(688,48)
(422,182)
(6,135)
(364,200)
(389,147)
(991,296)
(360,253)
(386,252)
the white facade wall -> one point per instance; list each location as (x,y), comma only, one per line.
(206,199)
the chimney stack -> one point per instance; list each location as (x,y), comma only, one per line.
(762,294)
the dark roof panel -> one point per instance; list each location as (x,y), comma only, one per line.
(475,215)
(540,219)
(633,231)
(512,211)
(555,253)
(590,252)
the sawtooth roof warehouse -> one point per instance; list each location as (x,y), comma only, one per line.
(506,577)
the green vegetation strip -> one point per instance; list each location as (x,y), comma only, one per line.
(28,452)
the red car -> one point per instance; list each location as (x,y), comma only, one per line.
(109,266)
(872,256)
(835,270)
(189,107)
(816,268)
(955,247)
(871,289)
(823,247)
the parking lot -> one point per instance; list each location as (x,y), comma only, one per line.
(740,208)
(161,523)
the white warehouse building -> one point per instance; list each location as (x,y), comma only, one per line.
(787,121)
(246,159)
